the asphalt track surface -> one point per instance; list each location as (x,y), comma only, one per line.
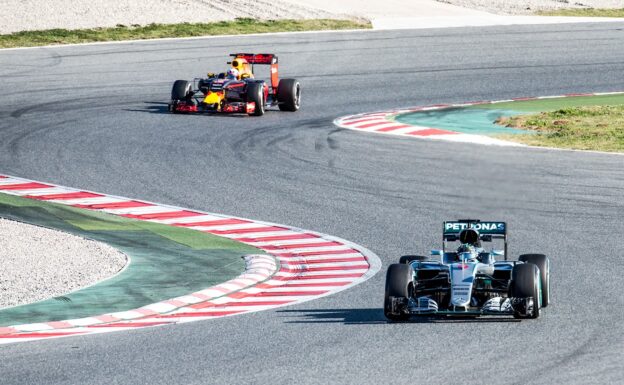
(94,117)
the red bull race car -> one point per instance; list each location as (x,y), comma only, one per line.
(237,90)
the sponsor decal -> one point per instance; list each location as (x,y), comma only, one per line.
(486,227)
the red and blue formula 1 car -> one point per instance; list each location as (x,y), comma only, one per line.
(237,90)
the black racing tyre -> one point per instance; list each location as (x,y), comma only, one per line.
(255,93)
(406,259)
(543,263)
(288,94)
(181,90)
(398,281)
(525,282)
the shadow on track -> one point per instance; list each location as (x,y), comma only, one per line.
(152,108)
(373,316)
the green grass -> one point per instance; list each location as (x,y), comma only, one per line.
(585,12)
(155,31)
(552,104)
(599,128)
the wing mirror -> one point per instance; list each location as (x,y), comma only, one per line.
(436,252)
(498,253)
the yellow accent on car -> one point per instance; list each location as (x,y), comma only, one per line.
(214,98)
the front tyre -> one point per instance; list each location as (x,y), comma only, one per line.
(525,284)
(543,263)
(255,94)
(181,90)
(288,95)
(398,280)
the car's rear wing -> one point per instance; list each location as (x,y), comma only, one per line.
(264,59)
(496,229)
(488,230)
(257,58)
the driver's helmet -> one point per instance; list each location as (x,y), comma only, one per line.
(466,248)
(467,252)
(232,73)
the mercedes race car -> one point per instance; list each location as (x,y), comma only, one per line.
(237,90)
(468,280)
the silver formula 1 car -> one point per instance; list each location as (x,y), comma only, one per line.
(468,280)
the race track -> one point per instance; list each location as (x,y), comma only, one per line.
(94,117)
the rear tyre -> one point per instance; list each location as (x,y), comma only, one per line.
(407,259)
(525,282)
(543,263)
(288,94)
(398,280)
(255,93)
(181,90)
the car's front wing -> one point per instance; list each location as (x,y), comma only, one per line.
(498,306)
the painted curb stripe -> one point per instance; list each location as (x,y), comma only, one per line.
(301,265)
(382,122)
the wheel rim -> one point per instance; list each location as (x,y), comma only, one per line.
(539,291)
(297,95)
(538,301)
(548,281)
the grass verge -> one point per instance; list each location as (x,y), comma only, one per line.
(584,12)
(599,128)
(155,31)
(555,103)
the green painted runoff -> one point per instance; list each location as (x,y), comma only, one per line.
(480,119)
(166,261)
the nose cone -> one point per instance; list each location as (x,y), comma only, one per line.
(460,300)
(462,279)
